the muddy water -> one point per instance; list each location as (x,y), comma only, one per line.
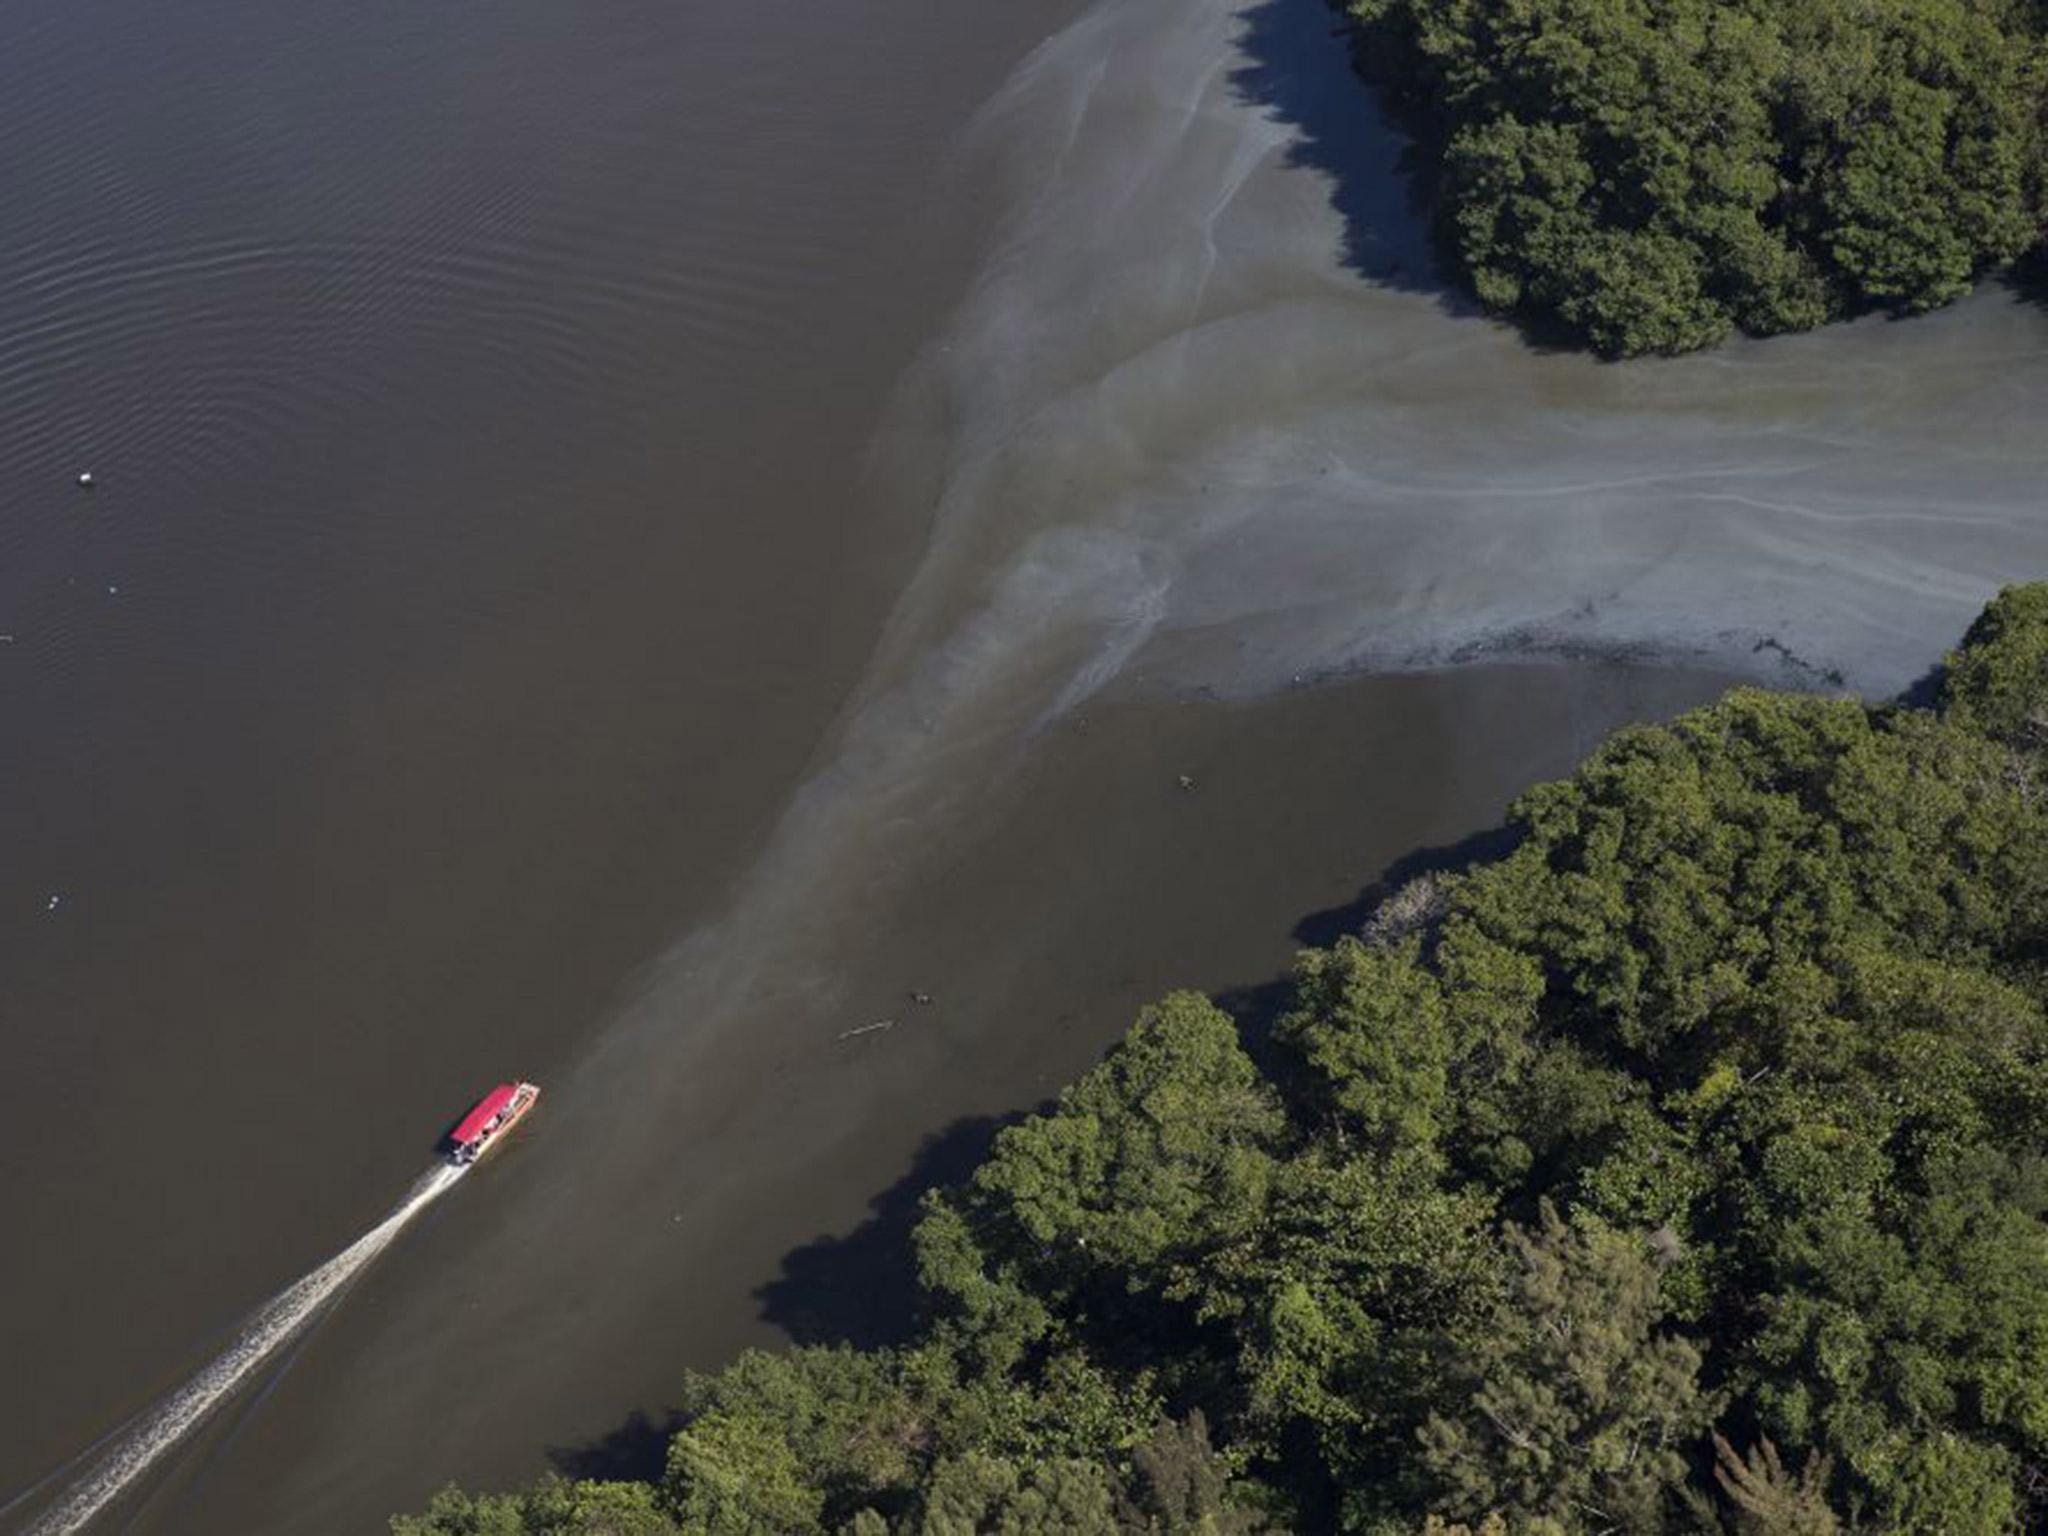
(599,569)
(737,1161)
(479,400)
(1211,387)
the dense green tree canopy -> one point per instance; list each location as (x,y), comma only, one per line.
(1685,1168)
(1650,174)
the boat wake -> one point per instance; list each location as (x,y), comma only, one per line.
(281,1319)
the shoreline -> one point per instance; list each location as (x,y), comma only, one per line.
(769,1204)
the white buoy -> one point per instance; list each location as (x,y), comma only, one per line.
(85,480)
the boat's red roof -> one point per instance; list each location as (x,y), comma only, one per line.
(474,1122)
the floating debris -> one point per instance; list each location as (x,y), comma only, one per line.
(867,1029)
(922,999)
(55,903)
(85,480)
(1185,781)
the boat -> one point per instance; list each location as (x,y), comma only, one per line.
(485,1126)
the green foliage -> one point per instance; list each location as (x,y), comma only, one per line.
(1373,1023)
(1151,1160)
(1577,1409)
(1721,1100)
(562,1508)
(977,1493)
(737,1472)
(1651,176)
(1998,682)
(1154,1168)
(1179,1487)
(553,1507)
(1769,1500)
(1369,1269)
(1492,1525)
(451,1512)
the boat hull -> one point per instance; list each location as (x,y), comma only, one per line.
(499,1111)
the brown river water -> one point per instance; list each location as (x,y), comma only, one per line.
(628,540)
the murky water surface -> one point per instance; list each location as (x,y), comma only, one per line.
(628,539)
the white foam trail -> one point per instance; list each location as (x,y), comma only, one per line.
(274,1325)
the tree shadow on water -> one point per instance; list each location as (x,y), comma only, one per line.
(2029,277)
(1299,71)
(635,1452)
(1258,1008)
(1925,691)
(1319,930)
(861,1289)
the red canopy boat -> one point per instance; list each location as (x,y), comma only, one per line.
(495,1113)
